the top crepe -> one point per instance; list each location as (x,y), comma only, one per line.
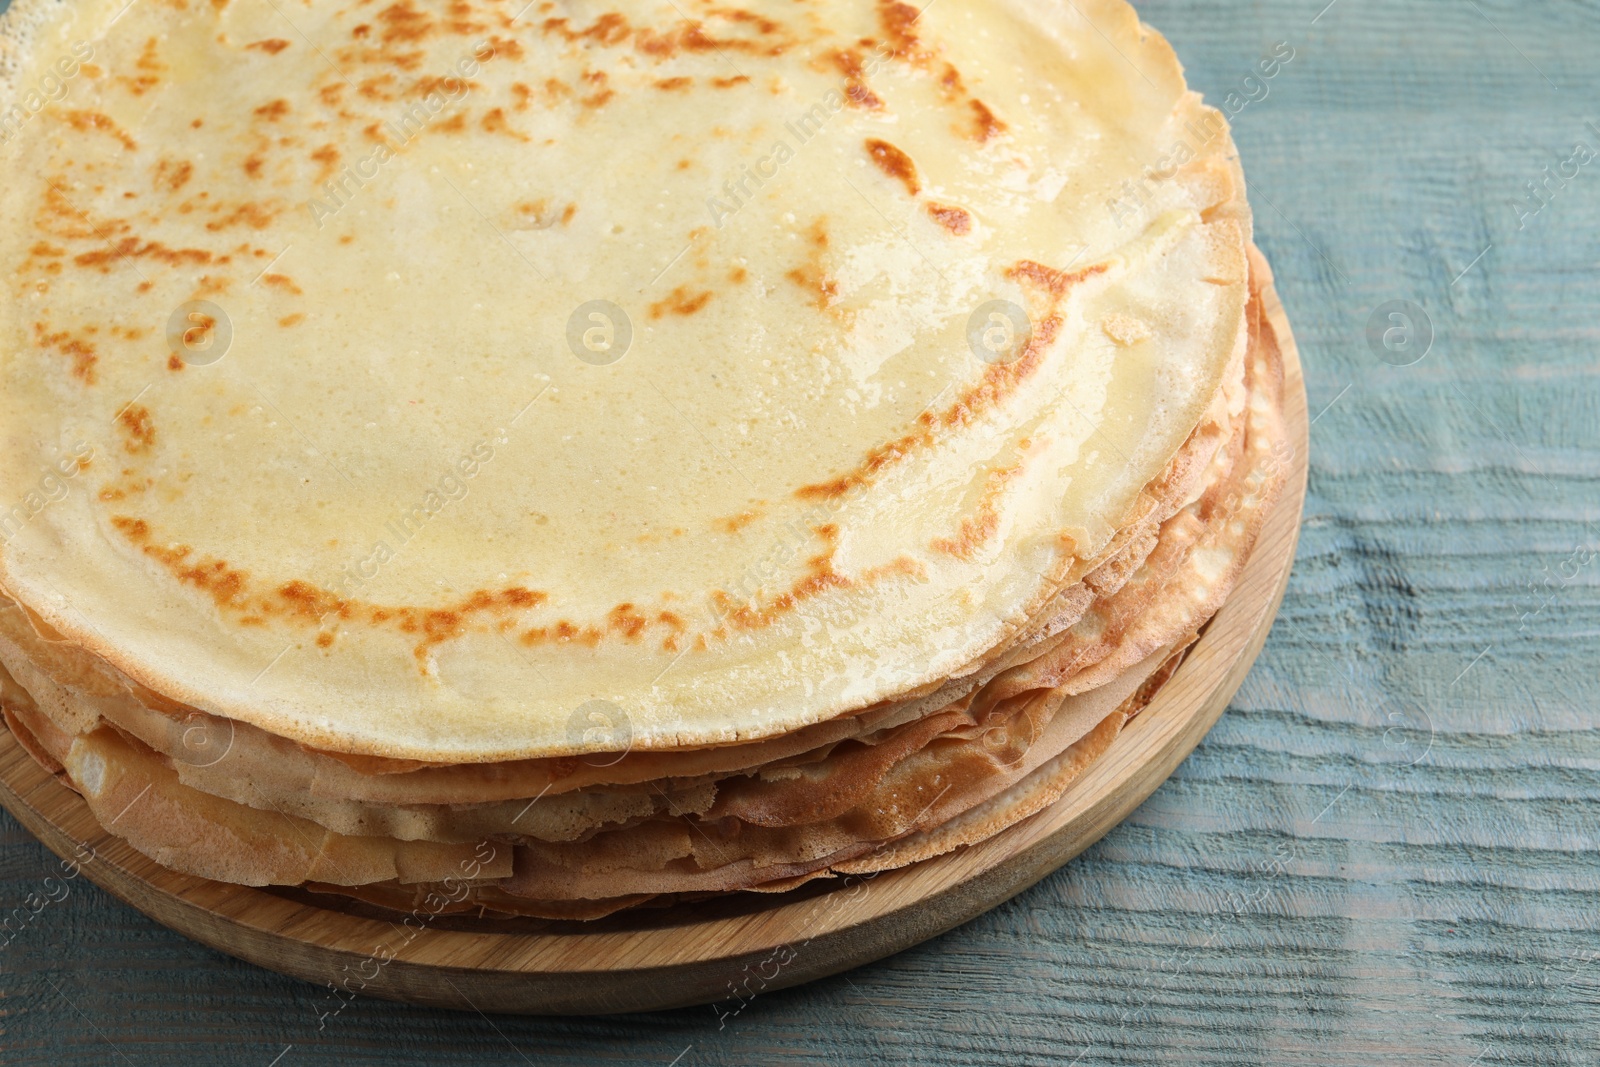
(405,381)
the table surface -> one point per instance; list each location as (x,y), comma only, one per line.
(1390,845)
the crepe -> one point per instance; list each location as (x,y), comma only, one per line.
(1026,747)
(564,459)
(359,529)
(219,756)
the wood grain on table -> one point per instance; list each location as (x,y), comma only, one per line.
(1389,848)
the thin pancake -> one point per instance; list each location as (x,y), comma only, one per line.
(729,540)
(778,841)
(785,791)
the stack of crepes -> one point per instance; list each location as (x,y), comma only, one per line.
(565,457)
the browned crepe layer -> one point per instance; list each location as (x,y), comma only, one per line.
(813,786)
(77,689)
(1025,798)
(792,822)
(976,601)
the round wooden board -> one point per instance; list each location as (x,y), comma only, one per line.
(665,958)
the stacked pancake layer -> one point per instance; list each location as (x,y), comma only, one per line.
(777,568)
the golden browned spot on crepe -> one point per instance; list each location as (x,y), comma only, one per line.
(954,219)
(681,301)
(985,122)
(895,163)
(997,382)
(82,120)
(138,428)
(79,351)
(173,175)
(848,61)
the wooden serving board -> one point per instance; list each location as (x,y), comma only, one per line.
(724,951)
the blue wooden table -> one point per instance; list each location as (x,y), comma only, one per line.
(1389,849)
